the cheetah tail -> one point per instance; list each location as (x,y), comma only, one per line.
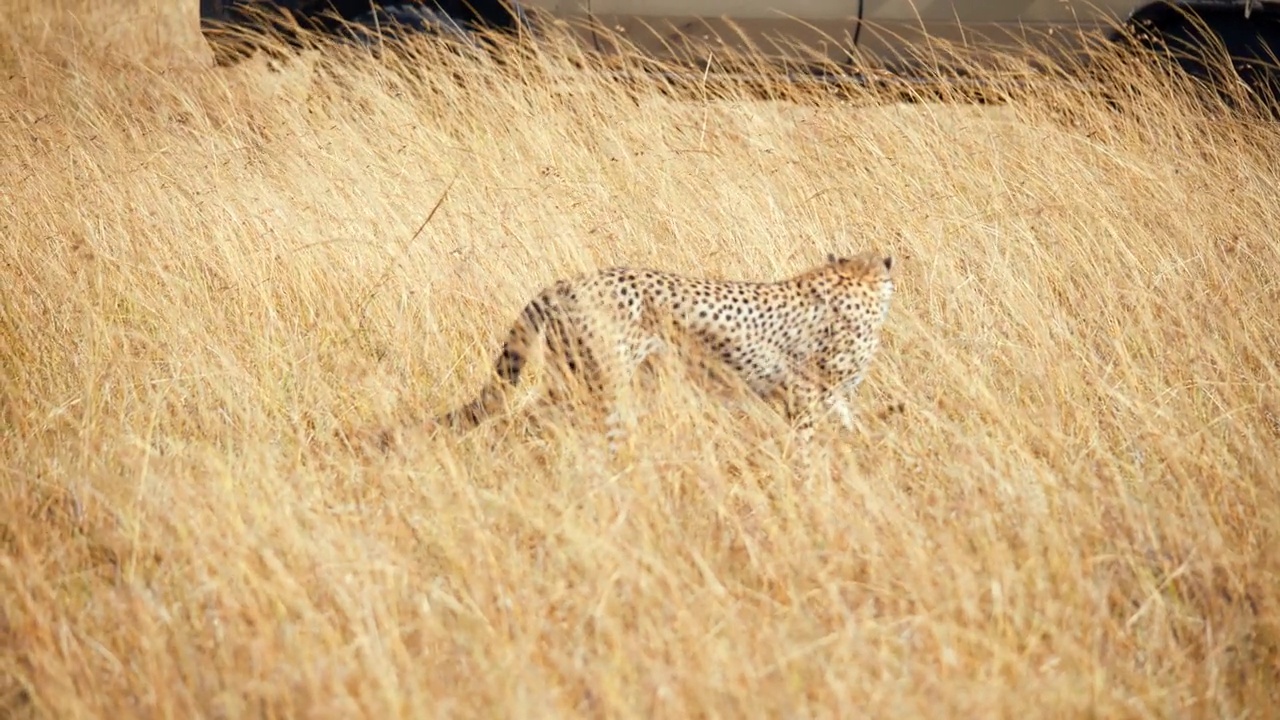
(511,361)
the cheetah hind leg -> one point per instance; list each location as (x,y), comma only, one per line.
(615,386)
(607,393)
(588,390)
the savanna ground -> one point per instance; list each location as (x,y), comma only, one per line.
(215,279)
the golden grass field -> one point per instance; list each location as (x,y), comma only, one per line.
(214,286)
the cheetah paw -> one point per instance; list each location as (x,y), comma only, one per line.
(896,408)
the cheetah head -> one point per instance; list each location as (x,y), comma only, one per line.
(870,275)
(867,261)
(870,268)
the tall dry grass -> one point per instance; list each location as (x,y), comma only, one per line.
(209,275)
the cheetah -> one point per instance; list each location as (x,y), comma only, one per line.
(804,342)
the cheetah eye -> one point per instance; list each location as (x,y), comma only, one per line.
(888,262)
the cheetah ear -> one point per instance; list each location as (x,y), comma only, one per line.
(888,262)
(832,259)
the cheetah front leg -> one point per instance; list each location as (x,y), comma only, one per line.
(844,373)
(838,403)
(802,399)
